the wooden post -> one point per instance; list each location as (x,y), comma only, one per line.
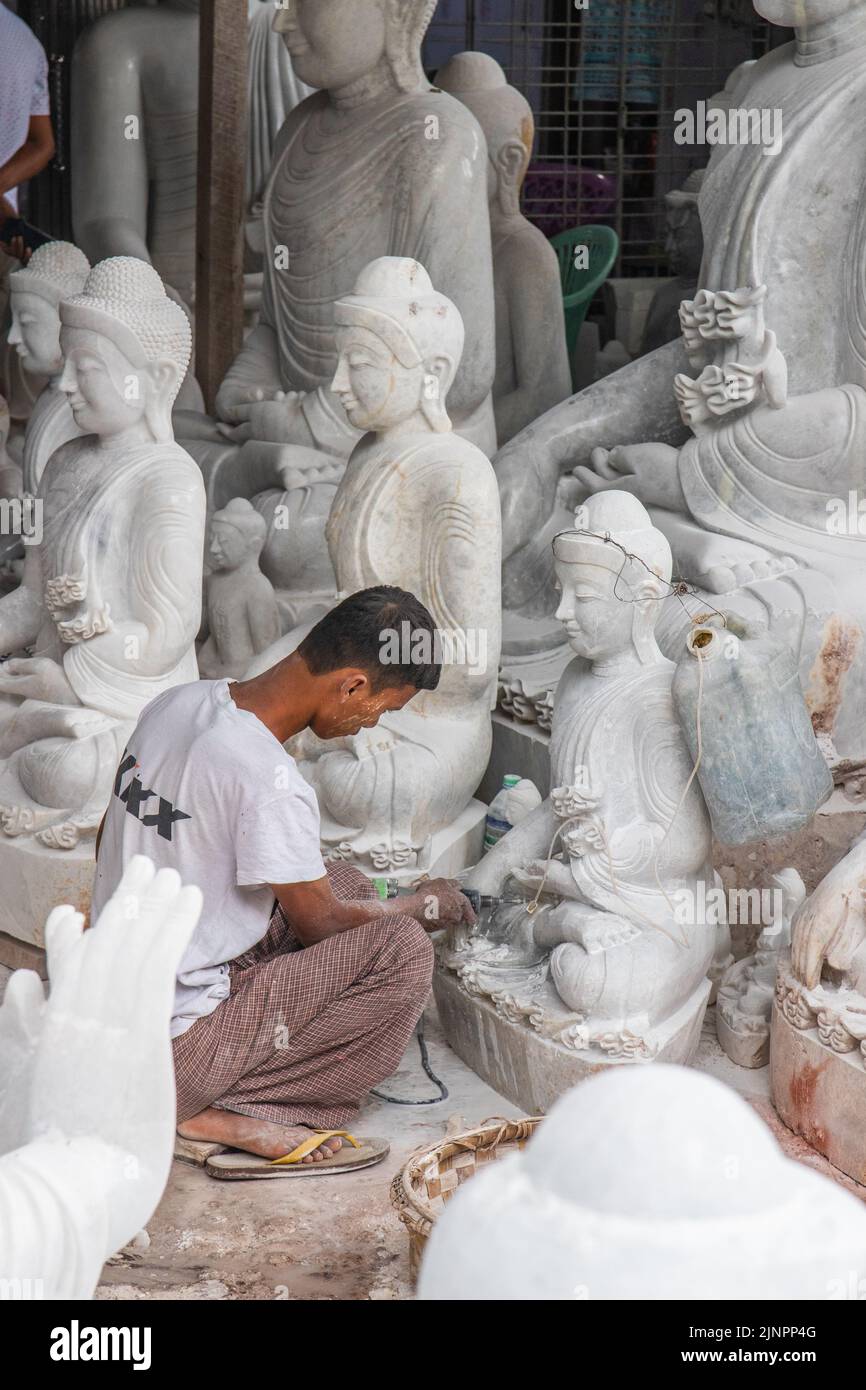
(222,145)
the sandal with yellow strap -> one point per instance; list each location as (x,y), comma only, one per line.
(363,1153)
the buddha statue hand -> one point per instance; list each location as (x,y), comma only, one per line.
(279,420)
(579,925)
(37,678)
(555,875)
(829,928)
(650,471)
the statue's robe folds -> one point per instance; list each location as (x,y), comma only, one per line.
(620,767)
(425,518)
(407,178)
(115,591)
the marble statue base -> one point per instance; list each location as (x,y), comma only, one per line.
(818,1087)
(36,879)
(533,1071)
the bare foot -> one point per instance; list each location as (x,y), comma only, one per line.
(260,1137)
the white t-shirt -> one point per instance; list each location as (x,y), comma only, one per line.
(23,86)
(206,788)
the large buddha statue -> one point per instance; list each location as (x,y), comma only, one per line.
(55,271)
(417,508)
(110,601)
(532,367)
(377,163)
(747,504)
(135,131)
(611,966)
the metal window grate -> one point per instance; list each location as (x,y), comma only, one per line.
(604,81)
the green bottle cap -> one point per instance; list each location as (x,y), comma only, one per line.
(511,779)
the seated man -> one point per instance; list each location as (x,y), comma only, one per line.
(278,1029)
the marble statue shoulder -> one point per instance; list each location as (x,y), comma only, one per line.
(110,597)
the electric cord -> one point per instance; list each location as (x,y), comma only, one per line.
(425,1063)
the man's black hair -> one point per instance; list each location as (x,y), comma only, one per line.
(379,630)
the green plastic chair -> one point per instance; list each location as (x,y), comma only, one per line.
(579,285)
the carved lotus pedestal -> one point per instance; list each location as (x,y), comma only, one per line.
(818,1068)
(34,880)
(530,1048)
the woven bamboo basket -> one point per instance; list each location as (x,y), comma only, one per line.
(421,1190)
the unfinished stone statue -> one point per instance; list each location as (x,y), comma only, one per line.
(377,163)
(111,597)
(818,1035)
(11,479)
(55,271)
(135,131)
(87,1098)
(749,505)
(745,998)
(532,368)
(617,973)
(633,1188)
(417,508)
(685,250)
(242,611)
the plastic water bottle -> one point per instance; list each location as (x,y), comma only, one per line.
(517,798)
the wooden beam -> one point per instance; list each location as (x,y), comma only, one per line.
(222,146)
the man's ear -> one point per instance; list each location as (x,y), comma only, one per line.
(354,683)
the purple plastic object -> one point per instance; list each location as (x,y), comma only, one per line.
(559,196)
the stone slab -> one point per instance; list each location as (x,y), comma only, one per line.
(533,1071)
(35,879)
(820,1094)
(20,955)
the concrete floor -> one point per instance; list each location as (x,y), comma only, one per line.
(337,1237)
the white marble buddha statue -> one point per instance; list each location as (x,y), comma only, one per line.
(135,131)
(242,614)
(418,509)
(110,601)
(632,828)
(532,368)
(747,502)
(55,271)
(11,481)
(376,163)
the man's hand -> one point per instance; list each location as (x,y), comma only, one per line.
(315,913)
(438,903)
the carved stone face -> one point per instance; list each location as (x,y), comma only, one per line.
(107,394)
(227,547)
(598,624)
(802,14)
(376,390)
(333,42)
(35,333)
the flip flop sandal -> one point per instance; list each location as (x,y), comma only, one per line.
(363,1154)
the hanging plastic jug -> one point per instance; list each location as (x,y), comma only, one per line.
(761,770)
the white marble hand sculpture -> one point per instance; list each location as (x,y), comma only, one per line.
(55,271)
(417,508)
(632,1188)
(376,137)
(631,827)
(87,1096)
(533,372)
(242,612)
(111,598)
(747,501)
(818,1035)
